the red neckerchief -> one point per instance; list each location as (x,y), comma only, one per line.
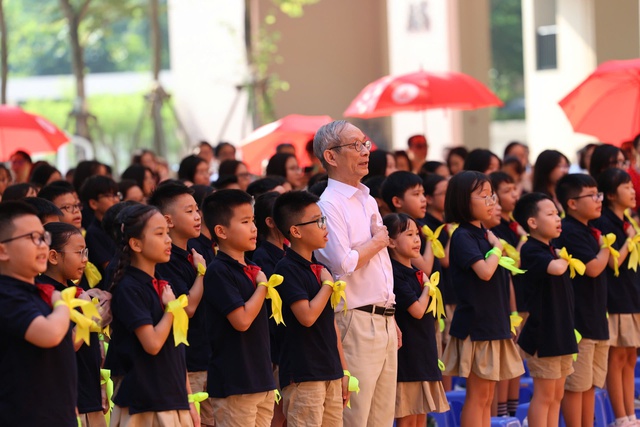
(46,291)
(159,285)
(596,233)
(513,226)
(626,225)
(190,258)
(553,252)
(286,242)
(252,272)
(317,269)
(420,277)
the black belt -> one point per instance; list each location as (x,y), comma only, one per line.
(376,309)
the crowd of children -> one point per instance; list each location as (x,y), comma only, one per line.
(176,303)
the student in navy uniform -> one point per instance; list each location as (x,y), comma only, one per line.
(181,211)
(240,378)
(582,203)
(99,193)
(547,337)
(509,231)
(312,366)
(203,243)
(481,348)
(623,294)
(36,347)
(419,389)
(154,389)
(63,195)
(266,256)
(67,258)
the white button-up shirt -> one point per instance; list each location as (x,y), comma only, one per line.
(348,210)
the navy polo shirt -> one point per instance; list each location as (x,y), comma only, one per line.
(308,353)
(181,274)
(88,359)
(117,359)
(39,385)
(240,362)
(266,257)
(418,356)
(590,292)
(446,287)
(101,247)
(204,246)
(623,292)
(504,231)
(483,306)
(549,327)
(150,383)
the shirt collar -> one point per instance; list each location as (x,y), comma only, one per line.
(295,256)
(347,190)
(48,280)
(272,249)
(12,281)
(182,253)
(477,231)
(138,275)
(403,269)
(228,260)
(611,216)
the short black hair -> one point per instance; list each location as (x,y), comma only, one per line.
(109,220)
(125,185)
(528,207)
(55,190)
(457,205)
(166,193)
(374,184)
(289,208)
(499,177)
(41,174)
(188,166)
(319,187)
(44,207)
(510,146)
(398,223)
(201,191)
(264,210)
(396,184)
(431,166)
(97,185)
(218,208)
(570,186)
(479,160)
(17,191)
(135,173)
(224,181)
(610,180)
(430,181)
(220,146)
(60,232)
(604,156)
(264,185)
(9,212)
(84,170)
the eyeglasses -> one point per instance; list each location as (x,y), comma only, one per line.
(72,208)
(37,237)
(488,200)
(84,253)
(320,222)
(597,197)
(117,195)
(356,145)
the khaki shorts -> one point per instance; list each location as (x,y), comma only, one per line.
(549,368)
(420,397)
(121,418)
(93,419)
(198,382)
(495,360)
(590,368)
(624,330)
(313,403)
(241,410)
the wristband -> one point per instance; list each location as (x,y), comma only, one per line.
(201,269)
(494,251)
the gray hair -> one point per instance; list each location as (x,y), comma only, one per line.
(327,136)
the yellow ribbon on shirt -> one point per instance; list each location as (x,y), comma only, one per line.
(198,397)
(575,265)
(354,385)
(274,296)
(436,306)
(201,269)
(607,241)
(84,320)
(432,236)
(452,227)
(634,249)
(277,396)
(105,380)
(92,274)
(338,293)
(180,319)
(578,339)
(515,320)
(511,251)
(634,223)
(441,365)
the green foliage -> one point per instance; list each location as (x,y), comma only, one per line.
(115,34)
(507,77)
(118,117)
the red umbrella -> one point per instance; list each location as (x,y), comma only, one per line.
(606,104)
(294,129)
(28,132)
(421,91)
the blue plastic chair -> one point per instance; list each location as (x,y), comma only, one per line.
(521,412)
(456,401)
(526,374)
(505,422)
(444,419)
(637,368)
(603,409)
(526,389)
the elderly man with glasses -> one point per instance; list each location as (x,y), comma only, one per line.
(356,253)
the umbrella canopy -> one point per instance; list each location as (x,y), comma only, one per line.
(294,129)
(28,132)
(607,103)
(421,91)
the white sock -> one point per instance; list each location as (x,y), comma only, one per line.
(622,420)
(632,417)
